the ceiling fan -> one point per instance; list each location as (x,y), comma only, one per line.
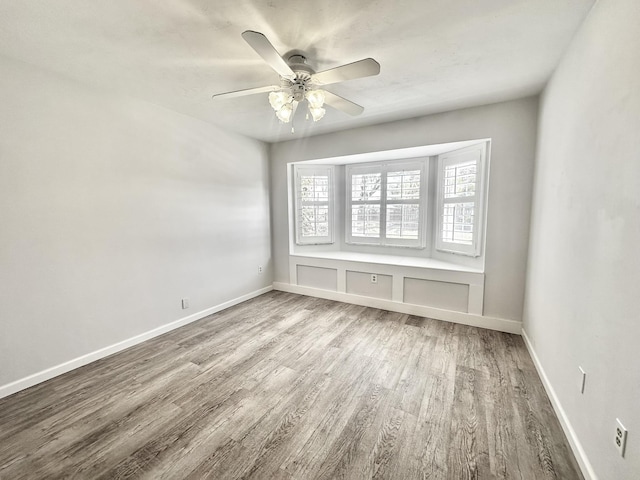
(299,82)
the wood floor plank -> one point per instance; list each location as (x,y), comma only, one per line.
(287,387)
(402,462)
(266,444)
(333,417)
(469,457)
(370,450)
(413,381)
(342,453)
(65,437)
(433,432)
(537,421)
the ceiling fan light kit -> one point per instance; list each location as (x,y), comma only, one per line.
(282,101)
(299,82)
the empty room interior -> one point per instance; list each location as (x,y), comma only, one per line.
(316,240)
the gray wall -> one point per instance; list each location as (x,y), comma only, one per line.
(111,211)
(512,127)
(584,267)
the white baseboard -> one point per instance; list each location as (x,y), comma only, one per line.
(492,323)
(65,367)
(574,442)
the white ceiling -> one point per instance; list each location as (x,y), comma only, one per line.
(396,154)
(435,55)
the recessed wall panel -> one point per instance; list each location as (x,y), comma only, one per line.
(359,283)
(318,277)
(430,293)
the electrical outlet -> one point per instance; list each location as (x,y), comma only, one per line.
(621,437)
(259,269)
(374,278)
(185,303)
(583,379)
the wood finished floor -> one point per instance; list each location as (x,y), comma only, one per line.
(291,387)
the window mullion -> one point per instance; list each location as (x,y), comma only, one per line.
(383,205)
(406,201)
(467,199)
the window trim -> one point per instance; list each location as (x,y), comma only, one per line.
(384,168)
(464,155)
(298,171)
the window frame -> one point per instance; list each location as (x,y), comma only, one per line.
(458,157)
(314,170)
(384,168)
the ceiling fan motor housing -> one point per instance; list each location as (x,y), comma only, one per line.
(298,90)
(298,63)
(300,85)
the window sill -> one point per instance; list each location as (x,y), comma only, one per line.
(393,260)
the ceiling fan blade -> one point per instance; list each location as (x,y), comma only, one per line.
(248,91)
(359,69)
(263,47)
(342,104)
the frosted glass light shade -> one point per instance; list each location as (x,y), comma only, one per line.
(315,98)
(278,99)
(316,112)
(285,112)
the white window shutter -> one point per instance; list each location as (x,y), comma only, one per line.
(386,203)
(314,204)
(460,201)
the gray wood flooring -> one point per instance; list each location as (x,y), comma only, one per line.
(292,387)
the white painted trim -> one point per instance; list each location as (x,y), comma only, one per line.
(399,272)
(492,323)
(49,373)
(574,442)
(388,260)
